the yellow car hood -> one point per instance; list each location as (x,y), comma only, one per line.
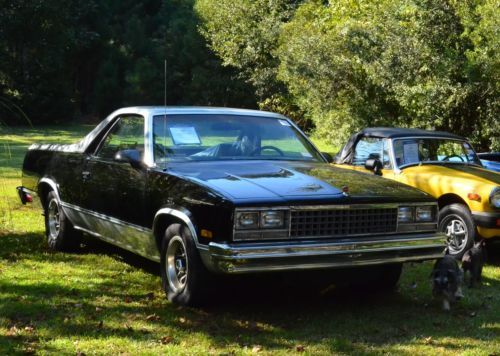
(459,179)
(457,172)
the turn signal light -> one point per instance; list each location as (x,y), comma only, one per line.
(206,233)
(474,196)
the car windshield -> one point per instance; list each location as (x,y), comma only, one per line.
(203,137)
(433,150)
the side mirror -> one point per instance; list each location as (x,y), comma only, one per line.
(374,164)
(327,156)
(130,156)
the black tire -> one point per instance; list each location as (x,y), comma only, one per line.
(61,236)
(185,279)
(456,221)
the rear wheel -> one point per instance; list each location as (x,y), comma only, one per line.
(61,236)
(455,220)
(185,279)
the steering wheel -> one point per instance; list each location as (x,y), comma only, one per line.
(259,150)
(447,158)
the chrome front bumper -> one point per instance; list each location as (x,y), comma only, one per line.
(317,254)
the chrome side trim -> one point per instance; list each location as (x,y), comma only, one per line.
(278,256)
(115,243)
(131,237)
(105,217)
(148,139)
(182,216)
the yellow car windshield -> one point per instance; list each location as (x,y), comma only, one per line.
(409,151)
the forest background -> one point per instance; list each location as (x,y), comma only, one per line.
(333,66)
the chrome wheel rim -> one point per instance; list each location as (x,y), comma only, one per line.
(54,219)
(457,232)
(177,264)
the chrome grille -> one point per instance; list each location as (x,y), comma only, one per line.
(343,222)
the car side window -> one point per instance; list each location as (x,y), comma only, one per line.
(371,147)
(126,134)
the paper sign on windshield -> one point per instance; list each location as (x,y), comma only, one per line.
(410,152)
(185,135)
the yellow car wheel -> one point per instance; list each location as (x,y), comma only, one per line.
(455,220)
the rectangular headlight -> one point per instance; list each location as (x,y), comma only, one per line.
(424,213)
(247,220)
(272,219)
(405,214)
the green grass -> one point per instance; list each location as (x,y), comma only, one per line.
(106,301)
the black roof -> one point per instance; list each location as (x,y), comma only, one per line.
(346,154)
(394,132)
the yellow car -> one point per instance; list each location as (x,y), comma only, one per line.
(439,163)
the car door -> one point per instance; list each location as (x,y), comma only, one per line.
(372,147)
(116,190)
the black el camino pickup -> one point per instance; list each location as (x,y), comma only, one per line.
(207,190)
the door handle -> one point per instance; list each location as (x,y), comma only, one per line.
(85,175)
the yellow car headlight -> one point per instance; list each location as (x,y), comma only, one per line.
(495,197)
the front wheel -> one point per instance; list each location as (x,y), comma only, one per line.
(185,279)
(455,220)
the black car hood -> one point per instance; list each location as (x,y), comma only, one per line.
(291,181)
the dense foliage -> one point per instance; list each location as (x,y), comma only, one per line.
(338,65)
(62,59)
(350,64)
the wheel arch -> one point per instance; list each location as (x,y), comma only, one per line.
(168,216)
(45,186)
(450,198)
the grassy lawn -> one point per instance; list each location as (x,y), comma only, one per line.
(103,300)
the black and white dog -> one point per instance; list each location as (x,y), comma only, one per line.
(447,279)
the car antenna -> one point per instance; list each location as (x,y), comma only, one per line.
(165,115)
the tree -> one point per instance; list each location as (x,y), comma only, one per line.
(75,58)
(393,63)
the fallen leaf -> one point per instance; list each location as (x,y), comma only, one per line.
(128,299)
(300,348)
(152,317)
(29,350)
(166,340)
(256,349)
(13,331)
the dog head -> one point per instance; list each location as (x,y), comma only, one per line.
(446,278)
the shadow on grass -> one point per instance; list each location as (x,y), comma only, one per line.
(275,311)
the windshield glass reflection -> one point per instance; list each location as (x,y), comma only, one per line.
(199,137)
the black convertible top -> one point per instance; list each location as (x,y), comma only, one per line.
(393,132)
(346,154)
